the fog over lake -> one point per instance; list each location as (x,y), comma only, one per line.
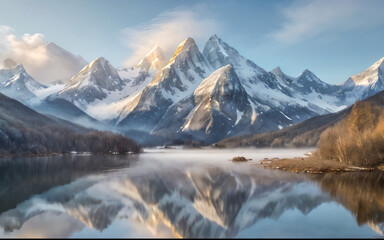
(184,193)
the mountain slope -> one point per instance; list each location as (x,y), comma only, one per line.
(95,81)
(178,79)
(139,76)
(165,107)
(364,84)
(15,82)
(64,109)
(306,133)
(219,107)
(24,131)
(299,101)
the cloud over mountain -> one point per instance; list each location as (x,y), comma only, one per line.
(166,31)
(44,61)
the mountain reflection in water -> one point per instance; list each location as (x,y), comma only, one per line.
(160,199)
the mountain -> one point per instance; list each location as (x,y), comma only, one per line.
(24,131)
(177,80)
(298,98)
(94,82)
(201,96)
(136,79)
(139,76)
(55,64)
(175,108)
(364,84)
(9,63)
(64,109)
(62,64)
(303,134)
(16,83)
(219,107)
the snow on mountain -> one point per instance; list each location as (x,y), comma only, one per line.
(274,89)
(178,79)
(139,76)
(218,53)
(309,91)
(147,67)
(95,81)
(16,83)
(172,105)
(364,84)
(370,75)
(135,79)
(198,96)
(219,107)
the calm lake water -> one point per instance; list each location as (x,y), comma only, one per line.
(184,193)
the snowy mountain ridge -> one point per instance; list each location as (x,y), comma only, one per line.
(201,96)
(16,83)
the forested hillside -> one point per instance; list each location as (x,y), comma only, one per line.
(24,131)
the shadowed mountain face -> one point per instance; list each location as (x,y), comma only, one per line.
(64,109)
(24,131)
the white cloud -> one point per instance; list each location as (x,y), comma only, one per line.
(310,19)
(4,32)
(167,30)
(45,64)
(28,49)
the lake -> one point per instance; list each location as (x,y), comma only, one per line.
(184,193)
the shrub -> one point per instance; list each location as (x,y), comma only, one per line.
(358,139)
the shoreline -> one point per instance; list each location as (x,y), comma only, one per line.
(63,154)
(310,164)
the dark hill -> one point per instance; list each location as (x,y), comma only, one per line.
(24,131)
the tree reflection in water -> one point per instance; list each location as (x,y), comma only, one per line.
(360,192)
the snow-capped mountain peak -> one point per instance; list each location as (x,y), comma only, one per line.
(216,81)
(99,72)
(370,75)
(16,83)
(280,75)
(364,84)
(94,81)
(277,71)
(183,46)
(309,76)
(153,60)
(179,79)
(218,53)
(186,59)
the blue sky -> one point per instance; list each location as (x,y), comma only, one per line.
(333,38)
